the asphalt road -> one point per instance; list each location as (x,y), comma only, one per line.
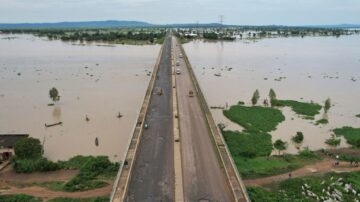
(203,177)
(153,174)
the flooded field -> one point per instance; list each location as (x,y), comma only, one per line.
(303,69)
(93,80)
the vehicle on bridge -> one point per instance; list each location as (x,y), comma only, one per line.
(177,63)
(191,93)
(178,71)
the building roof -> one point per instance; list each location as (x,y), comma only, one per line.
(9,140)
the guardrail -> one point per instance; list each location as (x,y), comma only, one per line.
(234,178)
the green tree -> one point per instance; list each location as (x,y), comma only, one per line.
(298,138)
(280,145)
(255,97)
(54,94)
(327,105)
(28,148)
(272,96)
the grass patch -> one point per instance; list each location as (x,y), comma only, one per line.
(255,118)
(321,121)
(333,141)
(248,144)
(352,135)
(95,199)
(309,110)
(92,168)
(18,198)
(251,151)
(310,189)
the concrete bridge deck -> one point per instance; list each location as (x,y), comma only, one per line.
(151,171)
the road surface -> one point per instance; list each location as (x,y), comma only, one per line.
(153,174)
(203,176)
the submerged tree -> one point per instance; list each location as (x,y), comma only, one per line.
(280,145)
(327,105)
(255,97)
(272,96)
(298,138)
(54,94)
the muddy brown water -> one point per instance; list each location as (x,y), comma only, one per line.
(312,68)
(94,80)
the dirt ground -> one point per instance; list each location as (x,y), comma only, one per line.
(325,166)
(10,183)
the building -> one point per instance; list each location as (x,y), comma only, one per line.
(7,144)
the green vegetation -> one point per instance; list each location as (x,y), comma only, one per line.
(307,109)
(40,164)
(241,103)
(352,135)
(358,115)
(251,148)
(120,36)
(333,141)
(54,94)
(298,138)
(18,198)
(28,148)
(28,159)
(92,167)
(272,96)
(327,105)
(96,199)
(255,97)
(321,121)
(280,145)
(256,118)
(245,144)
(311,189)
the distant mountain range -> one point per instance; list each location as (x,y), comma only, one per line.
(88,24)
(133,24)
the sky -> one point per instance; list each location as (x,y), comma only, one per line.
(241,12)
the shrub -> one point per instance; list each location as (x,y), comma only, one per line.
(32,165)
(307,153)
(298,138)
(18,198)
(28,148)
(352,135)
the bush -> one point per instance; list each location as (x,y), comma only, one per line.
(298,138)
(18,198)
(307,153)
(32,165)
(28,148)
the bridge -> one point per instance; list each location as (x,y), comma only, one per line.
(176,153)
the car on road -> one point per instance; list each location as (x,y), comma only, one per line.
(180,55)
(177,63)
(178,71)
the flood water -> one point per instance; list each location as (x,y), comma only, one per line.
(93,80)
(311,69)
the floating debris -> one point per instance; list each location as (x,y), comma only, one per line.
(87,118)
(217,74)
(119,115)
